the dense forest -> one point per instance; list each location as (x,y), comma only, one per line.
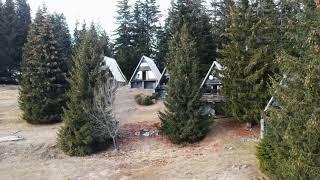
(259,44)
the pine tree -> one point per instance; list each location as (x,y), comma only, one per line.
(2,43)
(76,137)
(248,59)
(63,39)
(183,120)
(123,42)
(194,15)
(106,44)
(8,31)
(23,23)
(14,25)
(43,82)
(162,47)
(220,17)
(291,146)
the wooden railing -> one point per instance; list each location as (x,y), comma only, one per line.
(207,97)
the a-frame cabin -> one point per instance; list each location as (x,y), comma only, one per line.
(211,85)
(146,74)
(112,65)
(161,86)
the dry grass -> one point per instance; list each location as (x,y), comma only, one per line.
(226,153)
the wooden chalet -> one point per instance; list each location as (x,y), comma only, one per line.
(160,89)
(112,65)
(212,84)
(146,74)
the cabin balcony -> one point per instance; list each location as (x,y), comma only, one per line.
(212,98)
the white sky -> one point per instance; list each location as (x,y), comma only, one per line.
(99,11)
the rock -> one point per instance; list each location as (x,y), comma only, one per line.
(248,126)
(146,134)
(10,138)
(230,148)
(137,133)
(244,166)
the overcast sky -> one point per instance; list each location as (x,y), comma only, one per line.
(100,11)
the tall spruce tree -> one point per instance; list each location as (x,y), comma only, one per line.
(183,120)
(123,42)
(2,43)
(8,31)
(63,38)
(221,19)
(14,25)
(106,44)
(248,59)
(162,47)
(291,146)
(76,137)
(194,15)
(43,82)
(23,23)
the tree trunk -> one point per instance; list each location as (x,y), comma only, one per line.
(115,144)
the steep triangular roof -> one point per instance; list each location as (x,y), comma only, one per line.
(115,69)
(273,100)
(215,65)
(152,66)
(164,72)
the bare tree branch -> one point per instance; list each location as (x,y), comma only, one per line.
(104,121)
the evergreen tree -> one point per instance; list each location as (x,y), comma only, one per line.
(63,38)
(183,120)
(23,23)
(123,42)
(106,44)
(140,37)
(2,43)
(14,25)
(8,31)
(220,17)
(291,146)
(145,28)
(195,16)
(162,47)
(43,82)
(248,59)
(78,34)
(76,137)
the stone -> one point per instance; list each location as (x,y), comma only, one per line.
(146,134)
(137,133)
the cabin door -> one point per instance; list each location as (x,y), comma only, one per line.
(144,75)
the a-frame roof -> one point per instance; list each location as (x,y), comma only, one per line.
(152,66)
(272,100)
(215,65)
(115,69)
(164,72)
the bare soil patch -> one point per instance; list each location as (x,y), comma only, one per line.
(228,152)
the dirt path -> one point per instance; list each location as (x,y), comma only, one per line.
(226,153)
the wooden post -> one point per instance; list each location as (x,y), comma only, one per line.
(262,128)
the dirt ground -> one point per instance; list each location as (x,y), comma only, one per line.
(228,152)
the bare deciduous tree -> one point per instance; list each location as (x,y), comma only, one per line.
(104,120)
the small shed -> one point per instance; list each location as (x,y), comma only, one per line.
(212,84)
(146,74)
(112,65)
(161,86)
